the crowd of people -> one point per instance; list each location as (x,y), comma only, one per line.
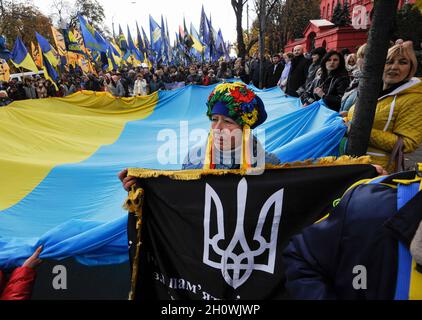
(309,76)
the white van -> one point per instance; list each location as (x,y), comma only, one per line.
(22,75)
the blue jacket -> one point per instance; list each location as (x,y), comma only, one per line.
(198,163)
(363,230)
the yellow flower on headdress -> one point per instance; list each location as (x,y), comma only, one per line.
(250,118)
(228,86)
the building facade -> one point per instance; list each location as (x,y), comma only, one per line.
(323,33)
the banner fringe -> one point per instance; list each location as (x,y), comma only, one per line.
(197,174)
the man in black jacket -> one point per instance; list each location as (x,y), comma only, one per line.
(274,71)
(298,72)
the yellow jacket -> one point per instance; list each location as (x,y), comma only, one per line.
(398,113)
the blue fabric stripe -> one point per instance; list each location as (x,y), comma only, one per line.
(19,52)
(404,195)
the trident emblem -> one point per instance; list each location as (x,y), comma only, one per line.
(240,265)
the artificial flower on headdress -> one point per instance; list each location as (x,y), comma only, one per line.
(236,101)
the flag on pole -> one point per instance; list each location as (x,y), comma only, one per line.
(50,72)
(21,58)
(133,49)
(140,41)
(156,37)
(47,50)
(197,43)
(92,39)
(121,40)
(59,40)
(71,42)
(36,54)
(4,52)
(187,39)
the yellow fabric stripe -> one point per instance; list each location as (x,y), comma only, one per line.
(51,58)
(207,162)
(38,135)
(197,45)
(27,63)
(415,292)
(322,219)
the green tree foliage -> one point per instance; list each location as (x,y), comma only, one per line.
(341,15)
(409,24)
(345,17)
(337,14)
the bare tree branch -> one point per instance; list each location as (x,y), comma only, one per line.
(271,7)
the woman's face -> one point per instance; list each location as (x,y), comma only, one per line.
(227,134)
(332,63)
(351,61)
(396,69)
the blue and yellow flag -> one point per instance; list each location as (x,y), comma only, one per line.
(72,44)
(47,50)
(121,40)
(197,43)
(156,37)
(21,57)
(132,48)
(112,64)
(140,41)
(50,73)
(59,160)
(92,39)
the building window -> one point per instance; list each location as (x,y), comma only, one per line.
(328,12)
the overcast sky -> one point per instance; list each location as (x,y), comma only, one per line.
(129,11)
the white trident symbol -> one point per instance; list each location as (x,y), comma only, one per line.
(243,262)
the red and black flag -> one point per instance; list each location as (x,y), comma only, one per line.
(221,235)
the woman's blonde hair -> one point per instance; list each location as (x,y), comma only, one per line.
(406,50)
(361,51)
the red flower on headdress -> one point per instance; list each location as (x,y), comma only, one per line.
(245,96)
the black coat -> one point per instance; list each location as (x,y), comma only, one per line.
(334,87)
(273,75)
(297,76)
(255,72)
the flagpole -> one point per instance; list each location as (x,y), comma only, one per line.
(21,70)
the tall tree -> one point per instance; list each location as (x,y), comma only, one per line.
(292,17)
(345,15)
(22,18)
(263,9)
(92,10)
(238,10)
(369,86)
(409,24)
(337,14)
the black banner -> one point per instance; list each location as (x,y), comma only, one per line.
(221,237)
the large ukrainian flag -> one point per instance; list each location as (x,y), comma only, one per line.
(59,160)
(21,58)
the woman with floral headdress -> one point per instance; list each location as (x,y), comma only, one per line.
(234,111)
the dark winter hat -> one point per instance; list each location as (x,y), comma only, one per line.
(319,51)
